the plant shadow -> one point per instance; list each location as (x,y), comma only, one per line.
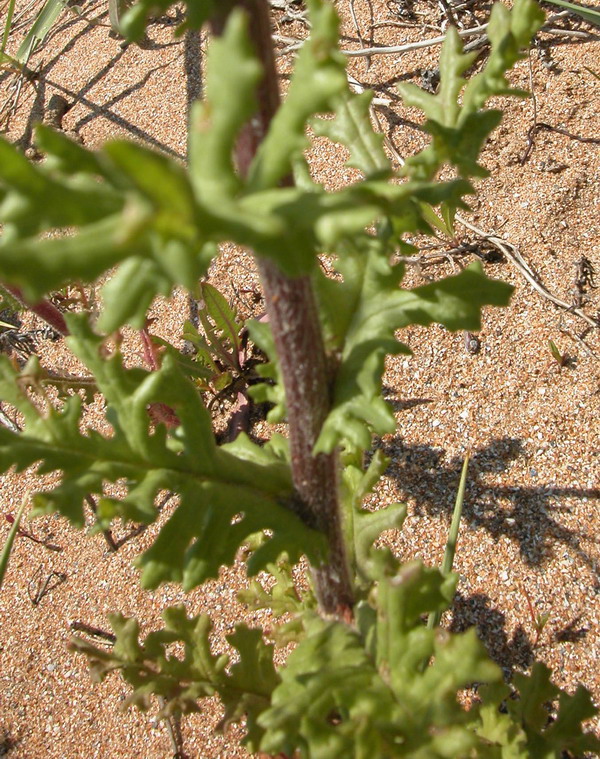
(42,80)
(528,516)
(517,651)
(477,611)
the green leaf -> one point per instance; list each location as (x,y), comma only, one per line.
(152,670)
(220,325)
(272,390)
(34,200)
(142,213)
(588,14)
(39,29)
(366,309)
(185,678)
(362,526)
(67,156)
(233,73)
(523,727)
(352,127)
(331,701)
(226,493)
(134,20)
(250,684)
(460,129)
(221,314)
(129,292)
(10,539)
(565,732)
(450,550)
(319,78)
(556,354)
(282,597)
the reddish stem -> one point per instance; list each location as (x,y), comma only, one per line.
(293,316)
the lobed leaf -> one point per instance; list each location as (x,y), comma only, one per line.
(227,493)
(352,127)
(319,78)
(134,21)
(365,311)
(233,73)
(460,130)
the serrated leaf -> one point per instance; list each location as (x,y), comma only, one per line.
(250,684)
(233,73)
(319,78)
(375,308)
(331,701)
(352,127)
(143,213)
(153,671)
(281,598)
(535,689)
(221,314)
(362,526)
(217,487)
(460,129)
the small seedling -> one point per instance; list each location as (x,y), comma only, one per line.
(539,620)
(562,359)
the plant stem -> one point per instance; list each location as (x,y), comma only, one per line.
(294,320)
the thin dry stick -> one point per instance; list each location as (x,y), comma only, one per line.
(475,30)
(110,541)
(413,45)
(173,726)
(513,255)
(8,422)
(531,130)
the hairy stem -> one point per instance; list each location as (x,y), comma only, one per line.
(294,320)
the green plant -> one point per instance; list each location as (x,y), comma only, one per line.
(591,15)
(367,677)
(561,358)
(219,341)
(44,21)
(12,534)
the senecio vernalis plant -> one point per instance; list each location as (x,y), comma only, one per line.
(366,677)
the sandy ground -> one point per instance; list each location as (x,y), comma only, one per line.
(529,538)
